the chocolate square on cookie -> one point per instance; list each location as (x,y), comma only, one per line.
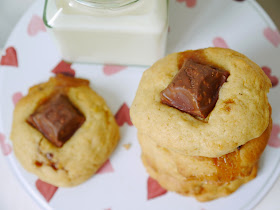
(57,119)
(195,88)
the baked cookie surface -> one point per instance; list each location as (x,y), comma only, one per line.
(219,170)
(81,155)
(202,177)
(240,114)
(201,190)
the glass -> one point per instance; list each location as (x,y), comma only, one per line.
(124,32)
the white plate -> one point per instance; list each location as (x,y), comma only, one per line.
(243,26)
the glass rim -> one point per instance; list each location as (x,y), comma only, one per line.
(118,4)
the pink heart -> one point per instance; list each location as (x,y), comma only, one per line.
(105,168)
(273,79)
(274,140)
(64,68)
(273,36)
(6,148)
(112,69)
(154,189)
(189,3)
(35,25)
(123,116)
(220,42)
(10,59)
(46,189)
(16,97)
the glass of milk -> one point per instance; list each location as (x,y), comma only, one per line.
(125,32)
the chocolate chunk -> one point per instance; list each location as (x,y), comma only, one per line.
(38,164)
(53,165)
(57,119)
(195,89)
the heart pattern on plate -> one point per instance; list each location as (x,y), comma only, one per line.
(122,116)
(273,36)
(106,168)
(274,80)
(5,147)
(112,69)
(189,3)
(10,58)
(47,190)
(154,189)
(64,68)
(274,140)
(16,97)
(220,42)
(35,25)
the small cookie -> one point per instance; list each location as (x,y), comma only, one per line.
(63,131)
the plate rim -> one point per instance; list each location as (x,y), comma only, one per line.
(252,203)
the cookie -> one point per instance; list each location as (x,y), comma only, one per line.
(201,190)
(63,131)
(229,167)
(240,114)
(203,120)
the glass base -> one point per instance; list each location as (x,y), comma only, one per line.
(106,4)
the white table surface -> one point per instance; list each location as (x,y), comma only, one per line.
(12,195)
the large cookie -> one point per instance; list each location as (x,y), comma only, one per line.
(240,114)
(79,157)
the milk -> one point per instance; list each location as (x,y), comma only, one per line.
(130,35)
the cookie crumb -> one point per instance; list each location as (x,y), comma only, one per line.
(127,146)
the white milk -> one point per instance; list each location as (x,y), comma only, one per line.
(131,35)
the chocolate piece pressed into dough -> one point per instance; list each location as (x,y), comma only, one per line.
(57,119)
(195,88)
